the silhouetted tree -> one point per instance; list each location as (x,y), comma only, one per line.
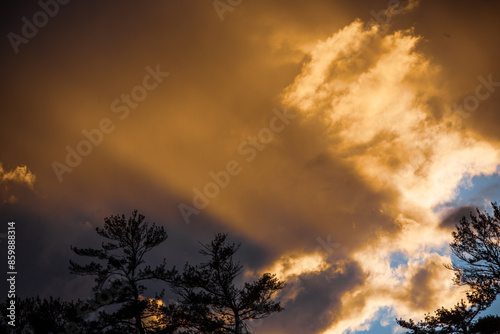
(210,302)
(22,313)
(487,325)
(121,272)
(459,319)
(476,244)
(44,316)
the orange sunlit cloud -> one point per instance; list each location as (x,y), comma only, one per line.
(380,122)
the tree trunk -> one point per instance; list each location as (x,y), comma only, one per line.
(137,312)
(138,322)
(237,324)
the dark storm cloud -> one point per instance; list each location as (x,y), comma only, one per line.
(317,300)
(455,216)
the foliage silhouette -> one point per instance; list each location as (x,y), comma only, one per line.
(124,273)
(477,245)
(41,316)
(487,325)
(459,319)
(210,301)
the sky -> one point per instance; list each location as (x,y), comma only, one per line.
(338,141)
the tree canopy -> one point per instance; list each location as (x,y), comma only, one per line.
(120,267)
(476,246)
(210,300)
(211,297)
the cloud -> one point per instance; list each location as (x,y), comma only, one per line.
(454,216)
(368,87)
(316,298)
(382,124)
(20,176)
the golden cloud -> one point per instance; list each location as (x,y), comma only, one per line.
(21,175)
(365,86)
